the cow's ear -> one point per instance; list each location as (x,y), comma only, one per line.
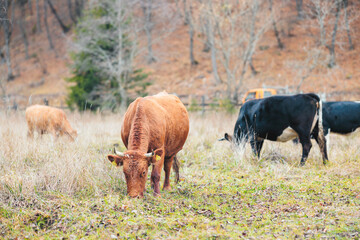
(228,137)
(115,160)
(157,156)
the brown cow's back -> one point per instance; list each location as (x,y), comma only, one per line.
(163,117)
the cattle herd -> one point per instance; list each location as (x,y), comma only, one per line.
(155,129)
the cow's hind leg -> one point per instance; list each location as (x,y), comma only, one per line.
(167,168)
(176,167)
(306,146)
(322,142)
(256,146)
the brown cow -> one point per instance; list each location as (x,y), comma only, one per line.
(44,119)
(154,130)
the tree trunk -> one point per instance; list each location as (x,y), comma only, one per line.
(30,7)
(207,44)
(148,26)
(214,64)
(23,31)
(71,11)
(299,8)
(79,5)
(191,34)
(210,32)
(38,25)
(333,38)
(124,100)
(64,28)
(7,34)
(250,51)
(351,45)
(277,35)
(47,27)
(186,19)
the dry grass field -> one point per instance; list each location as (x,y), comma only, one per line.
(64,190)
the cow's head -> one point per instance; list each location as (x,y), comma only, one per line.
(135,166)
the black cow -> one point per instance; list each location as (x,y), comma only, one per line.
(281,118)
(341,117)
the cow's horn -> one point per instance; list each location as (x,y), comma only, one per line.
(120,154)
(149,154)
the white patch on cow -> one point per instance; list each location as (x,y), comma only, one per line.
(314,122)
(287,134)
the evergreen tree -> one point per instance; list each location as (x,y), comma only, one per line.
(103,73)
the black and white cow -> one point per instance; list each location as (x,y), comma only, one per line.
(281,118)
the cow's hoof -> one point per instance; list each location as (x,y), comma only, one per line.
(302,164)
(157,194)
(167,188)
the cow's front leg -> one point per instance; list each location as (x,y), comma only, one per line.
(256,146)
(155,176)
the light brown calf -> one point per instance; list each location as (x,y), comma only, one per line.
(44,119)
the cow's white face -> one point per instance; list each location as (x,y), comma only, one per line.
(135,166)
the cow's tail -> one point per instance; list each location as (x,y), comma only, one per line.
(176,167)
(319,113)
(321,127)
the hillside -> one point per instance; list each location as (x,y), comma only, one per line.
(43,74)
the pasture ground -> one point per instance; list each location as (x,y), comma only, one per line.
(52,190)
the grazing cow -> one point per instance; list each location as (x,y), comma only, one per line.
(154,130)
(44,119)
(281,118)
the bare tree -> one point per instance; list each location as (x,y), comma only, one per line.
(299,8)
(273,20)
(147,6)
(38,25)
(30,6)
(331,47)
(71,14)
(208,25)
(158,15)
(22,27)
(321,10)
(188,8)
(117,64)
(7,25)
(328,14)
(305,68)
(347,25)
(238,26)
(64,28)
(79,6)
(47,27)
